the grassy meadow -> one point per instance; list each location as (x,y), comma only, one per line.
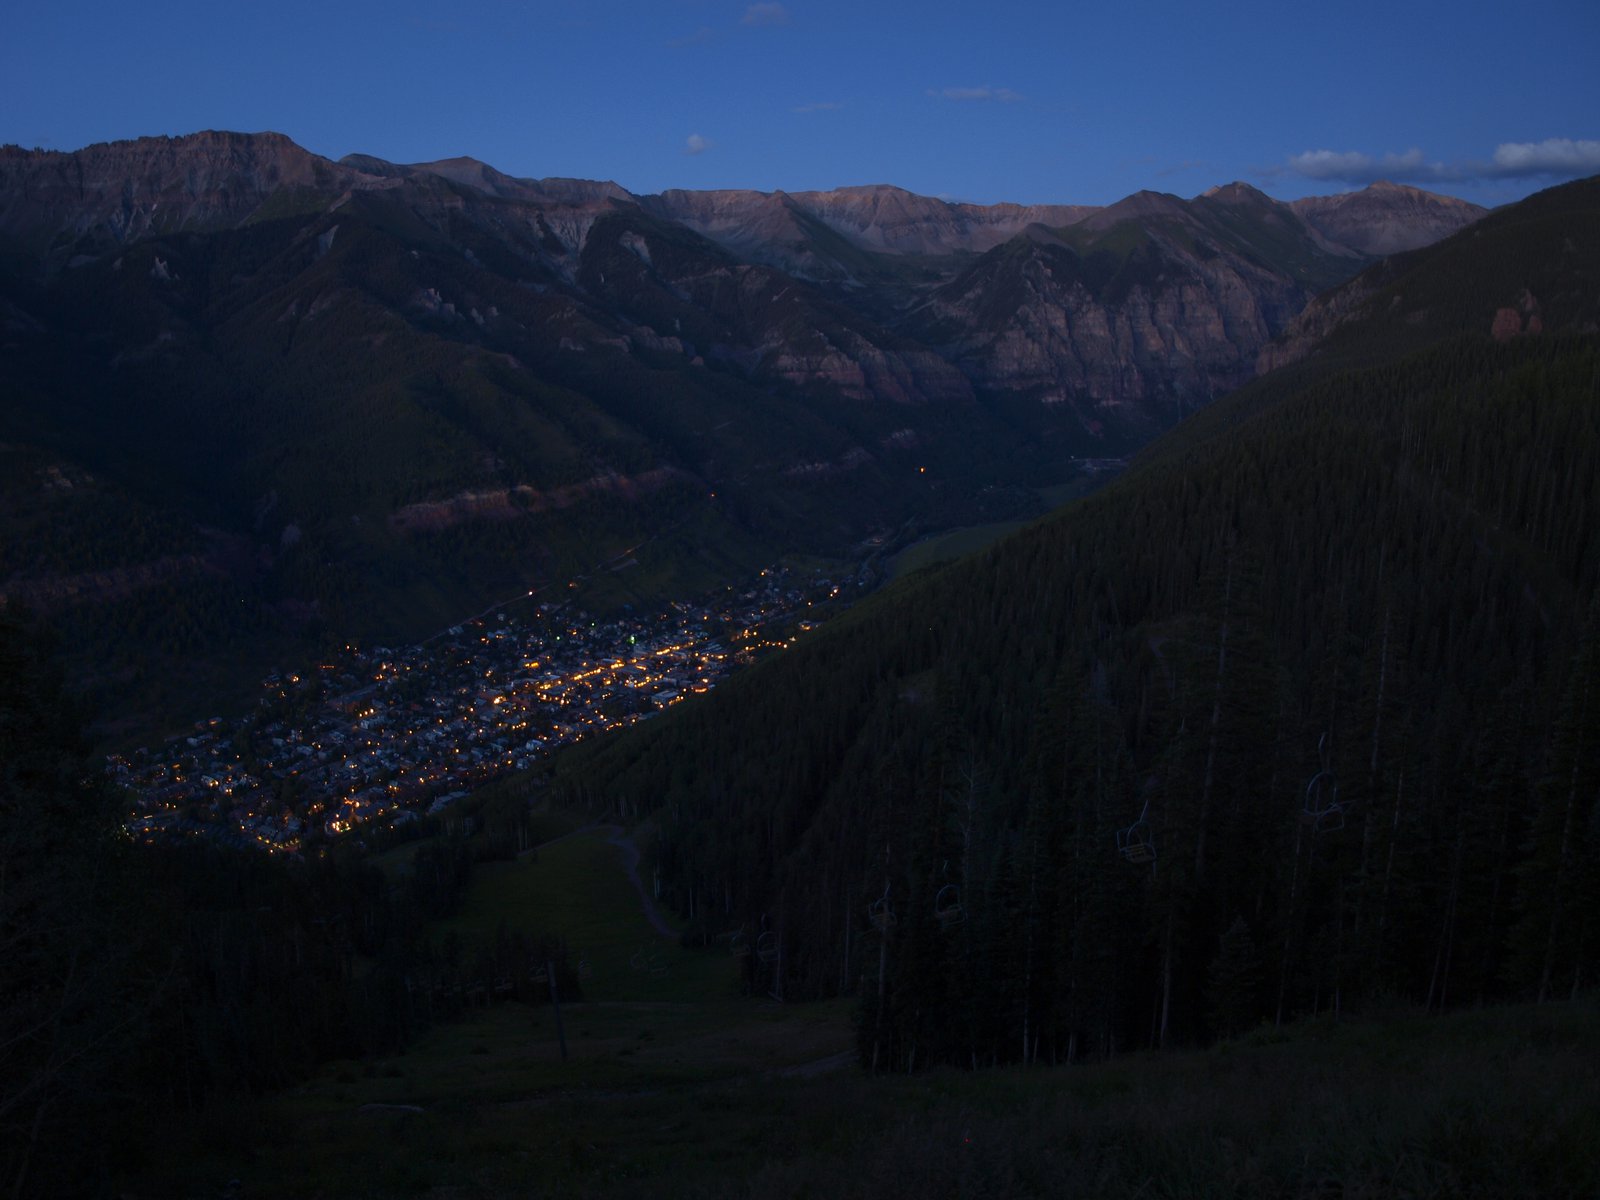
(677,1085)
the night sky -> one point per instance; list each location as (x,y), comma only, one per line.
(1032,102)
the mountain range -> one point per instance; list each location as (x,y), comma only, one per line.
(259,397)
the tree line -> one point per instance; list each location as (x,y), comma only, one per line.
(1283,722)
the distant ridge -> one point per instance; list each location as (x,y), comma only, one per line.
(209,178)
(1386,218)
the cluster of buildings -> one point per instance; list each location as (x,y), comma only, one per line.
(383,737)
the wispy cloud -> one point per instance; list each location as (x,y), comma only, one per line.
(1553,156)
(698,38)
(1556,158)
(1352,166)
(767,13)
(819,106)
(984,92)
(695,144)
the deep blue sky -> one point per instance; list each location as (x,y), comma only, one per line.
(1004,100)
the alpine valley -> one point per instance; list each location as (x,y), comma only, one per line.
(258,401)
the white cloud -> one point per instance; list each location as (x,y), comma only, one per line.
(819,106)
(1558,158)
(767,13)
(1355,167)
(695,144)
(1553,156)
(980,93)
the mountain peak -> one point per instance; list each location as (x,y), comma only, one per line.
(1386,218)
(117,191)
(870,189)
(1237,192)
(1139,206)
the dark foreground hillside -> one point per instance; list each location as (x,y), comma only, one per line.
(1300,711)
(1495,1103)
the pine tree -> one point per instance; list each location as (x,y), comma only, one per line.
(1551,934)
(1233,981)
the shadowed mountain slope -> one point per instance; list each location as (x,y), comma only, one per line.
(1295,713)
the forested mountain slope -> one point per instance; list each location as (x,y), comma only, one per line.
(1526,268)
(1299,711)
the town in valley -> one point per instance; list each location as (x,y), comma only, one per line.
(375,739)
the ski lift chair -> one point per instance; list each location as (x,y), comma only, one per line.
(767,947)
(947,909)
(881,913)
(1137,843)
(1322,810)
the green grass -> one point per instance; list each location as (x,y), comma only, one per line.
(575,888)
(498,1096)
(543,825)
(1493,1103)
(676,1086)
(673,1085)
(943,547)
(512,1052)
(969,539)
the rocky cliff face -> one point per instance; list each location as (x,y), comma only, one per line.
(706,303)
(514,503)
(1316,323)
(1387,218)
(469,172)
(116,192)
(894,221)
(833,235)
(1125,316)
(1136,314)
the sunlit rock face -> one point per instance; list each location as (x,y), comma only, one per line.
(1137,313)
(1387,218)
(116,192)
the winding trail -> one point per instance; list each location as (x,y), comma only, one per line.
(617,836)
(630,862)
